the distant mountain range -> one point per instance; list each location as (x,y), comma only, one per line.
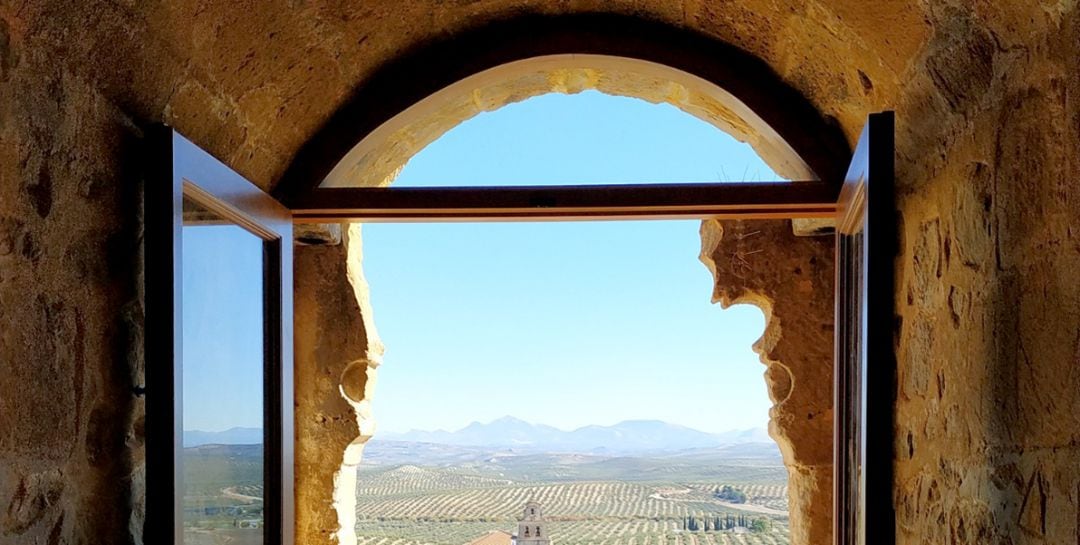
(630,436)
(625,437)
(231,436)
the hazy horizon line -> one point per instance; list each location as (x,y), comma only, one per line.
(562,429)
(511,417)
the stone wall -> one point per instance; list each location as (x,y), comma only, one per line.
(988,336)
(70,311)
(988,145)
(790,278)
(337,355)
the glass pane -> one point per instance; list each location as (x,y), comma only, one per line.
(223,362)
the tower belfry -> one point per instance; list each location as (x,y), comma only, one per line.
(532,528)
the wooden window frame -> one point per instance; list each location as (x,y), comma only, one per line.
(211,184)
(865,358)
(749,200)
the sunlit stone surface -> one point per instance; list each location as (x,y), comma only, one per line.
(988,149)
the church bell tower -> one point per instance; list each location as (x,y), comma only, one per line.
(532,528)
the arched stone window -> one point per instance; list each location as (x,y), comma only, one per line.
(365,147)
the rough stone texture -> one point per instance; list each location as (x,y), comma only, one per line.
(379,157)
(790,278)
(988,150)
(70,312)
(988,437)
(337,353)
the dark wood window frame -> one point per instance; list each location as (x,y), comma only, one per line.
(865,360)
(770,200)
(202,179)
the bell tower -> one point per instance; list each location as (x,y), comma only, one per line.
(532,528)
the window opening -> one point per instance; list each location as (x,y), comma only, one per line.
(657,357)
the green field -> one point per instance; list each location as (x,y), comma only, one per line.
(590,500)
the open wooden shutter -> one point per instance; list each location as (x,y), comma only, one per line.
(189,189)
(865,358)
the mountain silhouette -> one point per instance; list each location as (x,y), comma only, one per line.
(231,436)
(624,437)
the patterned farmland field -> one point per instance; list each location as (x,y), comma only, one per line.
(414,505)
(773,496)
(582,532)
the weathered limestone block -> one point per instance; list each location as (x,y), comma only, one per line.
(790,278)
(337,353)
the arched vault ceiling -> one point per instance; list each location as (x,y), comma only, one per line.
(252,82)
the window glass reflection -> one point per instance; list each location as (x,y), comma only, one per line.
(223,360)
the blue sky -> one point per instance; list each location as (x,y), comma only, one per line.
(565,324)
(222,328)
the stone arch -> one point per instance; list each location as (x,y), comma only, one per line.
(378,157)
(413,99)
(431,89)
